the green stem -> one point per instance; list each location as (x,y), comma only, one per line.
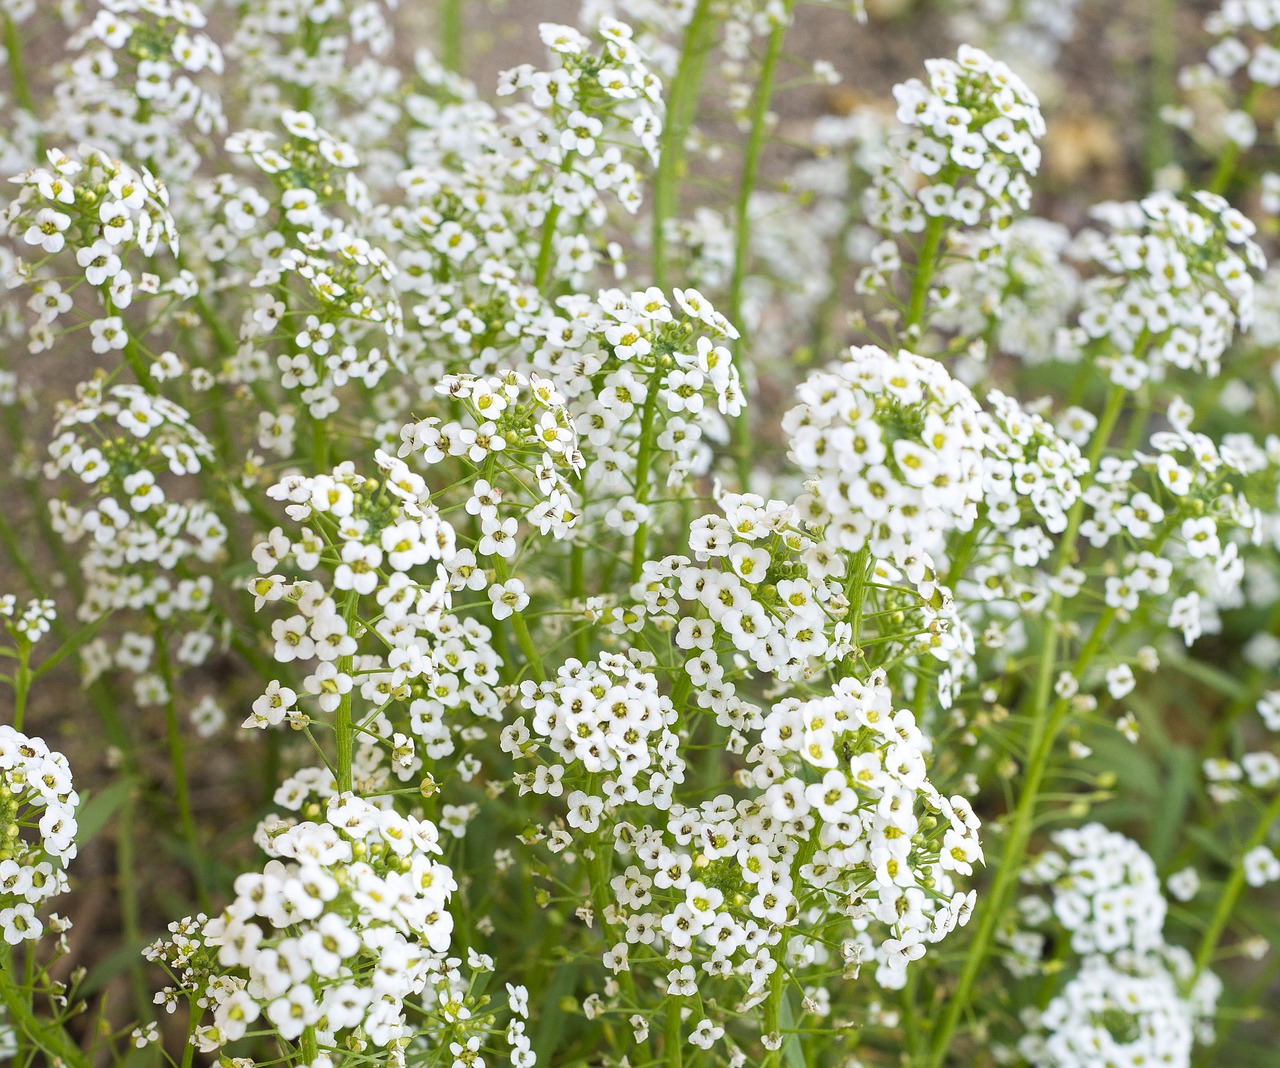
(342,725)
(46,1036)
(130,905)
(451,35)
(681,103)
(643,462)
(319,444)
(673,1044)
(523,637)
(21,683)
(308,1045)
(860,568)
(1047,720)
(773,1012)
(1231,892)
(1226,168)
(19,436)
(578,593)
(1164,61)
(925,266)
(742,245)
(17,72)
(543,267)
(178,762)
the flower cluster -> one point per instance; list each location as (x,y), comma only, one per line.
(971,134)
(1134,998)
(364,537)
(107,214)
(891,448)
(608,717)
(38,811)
(1018,291)
(1242,62)
(869,811)
(124,443)
(1175,281)
(340,933)
(33,622)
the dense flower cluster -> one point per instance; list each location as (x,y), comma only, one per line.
(38,813)
(892,450)
(970,134)
(340,933)
(1134,998)
(1242,62)
(1178,281)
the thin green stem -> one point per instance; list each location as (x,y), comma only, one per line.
(309,1046)
(523,637)
(46,1036)
(773,1013)
(1164,61)
(1231,892)
(342,727)
(643,462)
(178,762)
(1046,722)
(578,577)
(17,71)
(21,683)
(1226,168)
(681,103)
(451,35)
(925,266)
(673,1040)
(742,244)
(130,904)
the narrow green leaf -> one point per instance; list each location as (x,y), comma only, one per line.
(95,813)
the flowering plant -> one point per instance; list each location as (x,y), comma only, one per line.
(489,561)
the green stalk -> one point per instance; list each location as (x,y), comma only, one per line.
(673,1044)
(1164,61)
(521,628)
(681,103)
(1047,726)
(1231,892)
(451,35)
(178,761)
(16,555)
(643,463)
(578,589)
(47,1037)
(17,72)
(1047,721)
(130,906)
(21,683)
(773,1012)
(342,726)
(1226,168)
(308,1045)
(925,266)
(742,246)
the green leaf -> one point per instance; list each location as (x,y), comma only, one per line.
(1215,678)
(95,813)
(792,1052)
(69,646)
(1178,792)
(552,1017)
